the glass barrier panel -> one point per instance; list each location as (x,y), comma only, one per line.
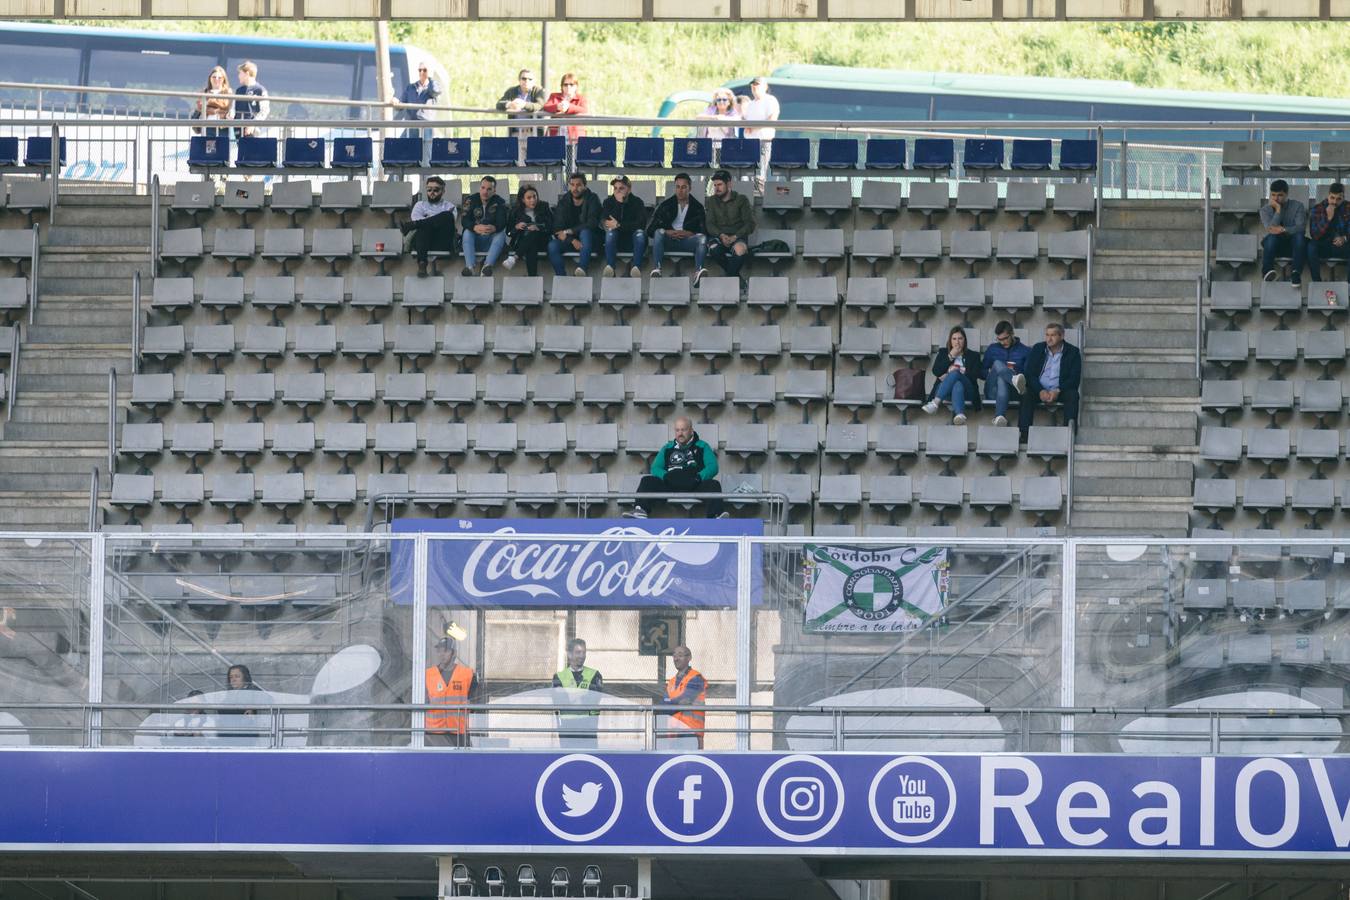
(44,641)
(1212,648)
(866,631)
(529,626)
(206,637)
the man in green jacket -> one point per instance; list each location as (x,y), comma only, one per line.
(731,221)
(578,729)
(684,465)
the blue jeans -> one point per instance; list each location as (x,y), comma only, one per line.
(493,243)
(998,387)
(556,249)
(696,244)
(1290,244)
(612,247)
(953,389)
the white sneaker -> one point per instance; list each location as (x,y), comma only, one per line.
(1000,421)
(608,273)
(1019,382)
(724,515)
(958,419)
(656,273)
(635,272)
(579,272)
(509,263)
(637,512)
(930,407)
(699,275)
(1270,276)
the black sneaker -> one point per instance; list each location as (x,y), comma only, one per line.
(486,271)
(422,269)
(466,272)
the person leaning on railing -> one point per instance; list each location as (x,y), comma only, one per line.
(453,685)
(218,106)
(578,727)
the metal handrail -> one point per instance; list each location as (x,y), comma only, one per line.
(13,373)
(112,422)
(779,501)
(1087,287)
(33,261)
(1199,323)
(1068,467)
(55,164)
(136,322)
(94,523)
(1101,173)
(154,226)
(1208,234)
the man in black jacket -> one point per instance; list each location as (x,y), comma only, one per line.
(575,222)
(678,223)
(624,219)
(1054,373)
(484,226)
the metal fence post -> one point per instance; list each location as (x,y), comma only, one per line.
(744,625)
(1067,646)
(1124,166)
(97,549)
(419,639)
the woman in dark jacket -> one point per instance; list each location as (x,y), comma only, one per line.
(529,226)
(957,367)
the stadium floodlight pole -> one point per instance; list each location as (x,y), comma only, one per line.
(383,71)
(543,55)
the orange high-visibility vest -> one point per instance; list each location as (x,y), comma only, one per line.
(454,692)
(694,717)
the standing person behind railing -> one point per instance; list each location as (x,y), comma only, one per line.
(568,102)
(686,688)
(524,101)
(762,105)
(422,92)
(452,685)
(253,105)
(219,106)
(722,110)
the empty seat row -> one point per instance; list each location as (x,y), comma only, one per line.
(1231,298)
(37,151)
(1318,398)
(1240,157)
(1265,496)
(1222,445)
(1208,651)
(930,154)
(1301,595)
(1229,348)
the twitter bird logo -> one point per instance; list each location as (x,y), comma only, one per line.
(580,802)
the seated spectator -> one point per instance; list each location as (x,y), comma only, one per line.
(569,101)
(528,226)
(722,110)
(1005,366)
(1054,372)
(422,92)
(484,227)
(432,225)
(685,465)
(678,223)
(218,106)
(624,219)
(1285,221)
(575,222)
(1328,230)
(730,222)
(957,367)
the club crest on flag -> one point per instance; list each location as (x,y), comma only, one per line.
(874,589)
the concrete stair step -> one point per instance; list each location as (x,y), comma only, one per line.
(51,481)
(1107,415)
(1152,239)
(55,432)
(47,385)
(44,333)
(1123,214)
(41,410)
(1160,316)
(1146,269)
(1099,337)
(1096,389)
(94,234)
(75,361)
(1147,438)
(1141,288)
(87,283)
(1090,485)
(1100,464)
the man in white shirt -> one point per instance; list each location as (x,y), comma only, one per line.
(762,105)
(432,224)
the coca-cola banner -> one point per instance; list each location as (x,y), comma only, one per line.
(499,571)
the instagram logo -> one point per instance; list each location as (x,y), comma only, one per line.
(802,798)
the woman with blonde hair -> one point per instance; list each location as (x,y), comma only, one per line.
(215,107)
(721,110)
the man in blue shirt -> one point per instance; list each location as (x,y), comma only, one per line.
(253,103)
(423,92)
(1054,373)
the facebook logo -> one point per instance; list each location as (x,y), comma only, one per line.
(688,794)
(689,798)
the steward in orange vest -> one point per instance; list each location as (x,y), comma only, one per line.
(687,688)
(450,684)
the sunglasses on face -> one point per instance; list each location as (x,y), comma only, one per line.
(723,100)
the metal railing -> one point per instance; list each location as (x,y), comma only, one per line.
(33,261)
(112,423)
(136,313)
(93,498)
(14,367)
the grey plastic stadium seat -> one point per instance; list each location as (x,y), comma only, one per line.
(947,442)
(1263,495)
(916,294)
(991,493)
(332,244)
(372,292)
(293,440)
(1226,348)
(816,293)
(804,387)
(823,245)
(1075,199)
(1206,593)
(284,245)
(1276,348)
(963,294)
(1220,445)
(1236,251)
(193,197)
(1026,198)
(833,198)
(928,198)
(169,293)
(393,197)
(941,492)
(179,245)
(1213,495)
(880,197)
(1041,495)
(998,444)
(1069,247)
(140,441)
(873,246)
(1222,397)
(1064,295)
(423,293)
(976,197)
(922,247)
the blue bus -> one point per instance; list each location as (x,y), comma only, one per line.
(118,59)
(838,93)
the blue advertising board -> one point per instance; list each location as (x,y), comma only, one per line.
(553,574)
(847,803)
